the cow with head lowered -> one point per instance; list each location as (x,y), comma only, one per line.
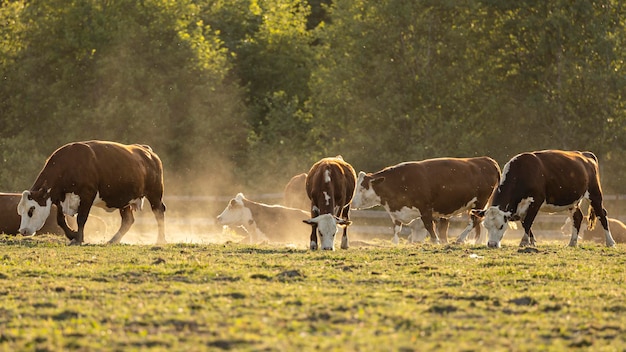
(550,181)
(80,175)
(330,186)
(433,190)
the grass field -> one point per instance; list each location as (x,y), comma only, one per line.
(195,297)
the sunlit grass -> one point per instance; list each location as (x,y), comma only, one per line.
(242,297)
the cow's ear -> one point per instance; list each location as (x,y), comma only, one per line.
(377,180)
(341,221)
(309,221)
(478,213)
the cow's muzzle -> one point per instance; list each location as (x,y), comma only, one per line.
(492,244)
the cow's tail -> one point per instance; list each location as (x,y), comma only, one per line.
(591,219)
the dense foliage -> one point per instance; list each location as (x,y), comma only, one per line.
(257,90)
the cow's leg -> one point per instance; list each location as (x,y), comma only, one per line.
(471,225)
(345,214)
(69,233)
(601,214)
(159,214)
(442,229)
(127,220)
(577,220)
(314,245)
(81,219)
(427,219)
(418,232)
(397,227)
(527,223)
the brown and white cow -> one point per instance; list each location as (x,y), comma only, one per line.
(433,190)
(274,223)
(10,220)
(105,174)
(550,181)
(295,193)
(330,186)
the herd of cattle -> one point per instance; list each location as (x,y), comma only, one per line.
(114,176)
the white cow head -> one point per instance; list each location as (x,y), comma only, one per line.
(364,195)
(495,223)
(327,228)
(33,213)
(236,213)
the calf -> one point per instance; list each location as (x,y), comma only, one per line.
(551,181)
(330,186)
(275,223)
(433,190)
(105,174)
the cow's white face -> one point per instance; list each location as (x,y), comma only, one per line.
(327,228)
(495,223)
(236,213)
(364,197)
(33,215)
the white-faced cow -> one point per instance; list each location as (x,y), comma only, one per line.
(550,181)
(105,174)
(330,186)
(274,223)
(10,220)
(596,234)
(295,193)
(433,190)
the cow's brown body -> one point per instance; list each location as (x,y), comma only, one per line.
(330,186)
(113,175)
(10,219)
(434,189)
(548,180)
(295,193)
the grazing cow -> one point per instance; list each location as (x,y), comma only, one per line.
(433,190)
(105,174)
(10,220)
(617,228)
(274,223)
(295,193)
(330,186)
(550,181)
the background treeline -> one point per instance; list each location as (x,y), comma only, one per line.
(246,93)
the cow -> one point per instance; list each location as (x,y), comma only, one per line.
(295,193)
(263,222)
(106,174)
(617,228)
(330,186)
(550,181)
(432,189)
(10,219)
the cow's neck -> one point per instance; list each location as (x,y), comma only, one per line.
(258,213)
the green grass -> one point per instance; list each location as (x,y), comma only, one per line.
(240,297)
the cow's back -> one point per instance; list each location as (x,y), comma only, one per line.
(295,195)
(332,177)
(443,184)
(118,172)
(556,176)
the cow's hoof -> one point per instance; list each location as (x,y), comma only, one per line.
(313,246)
(74,242)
